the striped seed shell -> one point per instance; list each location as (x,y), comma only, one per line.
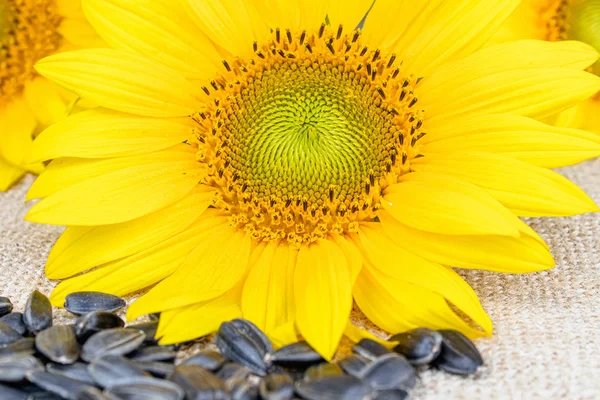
(321,371)
(297,355)
(23,346)
(13,369)
(199,383)
(390,371)
(59,344)
(336,387)
(155,368)
(420,346)
(94,322)
(77,371)
(277,386)
(38,312)
(242,342)
(459,355)
(148,328)
(8,335)
(353,364)
(111,369)
(146,389)
(6,305)
(60,385)
(153,353)
(15,321)
(80,303)
(211,360)
(370,349)
(111,342)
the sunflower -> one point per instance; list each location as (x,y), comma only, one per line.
(29,31)
(249,159)
(556,20)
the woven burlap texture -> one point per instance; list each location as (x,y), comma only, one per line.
(546,342)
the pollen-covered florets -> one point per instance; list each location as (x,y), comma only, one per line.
(302,138)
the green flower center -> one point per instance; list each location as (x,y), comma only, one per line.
(301,139)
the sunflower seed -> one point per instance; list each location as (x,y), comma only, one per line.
(111,342)
(155,368)
(15,321)
(80,303)
(10,393)
(148,328)
(60,385)
(231,372)
(153,353)
(297,355)
(8,335)
(199,383)
(14,369)
(109,370)
(146,389)
(420,346)
(77,371)
(23,346)
(352,365)
(244,390)
(459,355)
(94,322)
(322,370)
(5,306)
(211,360)
(38,312)
(397,394)
(44,395)
(277,386)
(333,388)
(242,342)
(390,371)
(93,394)
(59,344)
(370,349)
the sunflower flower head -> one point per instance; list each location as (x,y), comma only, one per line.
(277,160)
(29,31)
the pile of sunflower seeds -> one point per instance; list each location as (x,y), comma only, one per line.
(98,358)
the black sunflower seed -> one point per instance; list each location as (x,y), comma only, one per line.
(38,312)
(397,394)
(211,360)
(199,383)
(80,303)
(146,389)
(23,346)
(8,335)
(370,349)
(148,328)
(13,369)
(322,370)
(5,306)
(60,385)
(15,321)
(10,393)
(244,390)
(59,344)
(390,371)
(93,394)
(459,355)
(94,322)
(297,355)
(277,386)
(111,342)
(420,346)
(242,342)
(232,371)
(77,371)
(153,353)
(352,365)
(111,369)
(155,368)
(333,388)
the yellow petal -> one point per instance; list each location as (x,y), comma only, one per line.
(438,204)
(524,189)
(118,196)
(292,14)
(268,290)
(209,271)
(9,174)
(322,289)
(454,30)
(142,269)
(160,30)
(512,136)
(492,253)
(81,248)
(348,13)
(353,256)
(356,334)
(65,172)
(399,263)
(43,98)
(99,133)
(197,320)
(397,306)
(123,81)
(233,24)
(18,123)
(534,92)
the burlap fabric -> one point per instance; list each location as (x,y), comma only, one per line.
(546,342)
